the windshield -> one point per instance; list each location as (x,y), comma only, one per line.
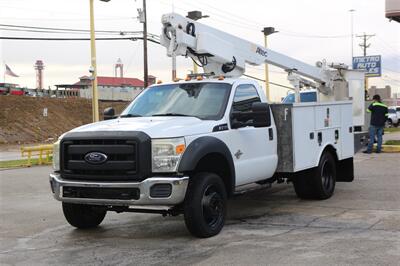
(206,101)
(304,97)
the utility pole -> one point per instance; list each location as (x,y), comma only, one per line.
(365,37)
(267,31)
(93,67)
(143,19)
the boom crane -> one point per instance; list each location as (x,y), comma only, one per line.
(221,53)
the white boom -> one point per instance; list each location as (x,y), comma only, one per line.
(221,53)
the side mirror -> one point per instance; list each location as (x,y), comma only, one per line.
(261,114)
(109,113)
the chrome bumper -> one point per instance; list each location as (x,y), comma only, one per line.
(179,186)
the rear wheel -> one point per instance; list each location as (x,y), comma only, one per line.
(205,205)
(317,183)
(83,216)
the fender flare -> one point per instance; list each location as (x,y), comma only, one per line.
(202,146)
(327,145)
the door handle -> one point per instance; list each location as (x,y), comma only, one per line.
(270,133)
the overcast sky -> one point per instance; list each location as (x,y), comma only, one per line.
(309,30)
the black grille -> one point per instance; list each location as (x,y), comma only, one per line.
(123,160)
(101,193)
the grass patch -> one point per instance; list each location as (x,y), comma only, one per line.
(21,163)
(392,129)
(392,142)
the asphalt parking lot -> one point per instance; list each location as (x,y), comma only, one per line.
(360,225)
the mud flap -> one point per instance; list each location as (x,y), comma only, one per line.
(345,170)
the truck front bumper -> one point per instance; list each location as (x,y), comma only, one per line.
(177,185)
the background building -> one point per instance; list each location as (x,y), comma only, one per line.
(386,95)
(109,88)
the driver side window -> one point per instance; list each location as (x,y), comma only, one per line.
(245,96)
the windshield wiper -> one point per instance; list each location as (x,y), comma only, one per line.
(129,115)
(171,114)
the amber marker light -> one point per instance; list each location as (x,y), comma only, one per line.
(180,149)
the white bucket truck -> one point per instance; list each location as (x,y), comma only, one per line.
(186,147)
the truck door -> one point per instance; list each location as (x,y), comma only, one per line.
(253,149)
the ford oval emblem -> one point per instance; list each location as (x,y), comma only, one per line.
(95,157)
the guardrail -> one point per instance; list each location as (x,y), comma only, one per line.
(43,151)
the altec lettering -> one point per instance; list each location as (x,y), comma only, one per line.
(262,52)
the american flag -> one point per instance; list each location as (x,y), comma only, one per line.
(10,72)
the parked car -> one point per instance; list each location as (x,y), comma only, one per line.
(393,117)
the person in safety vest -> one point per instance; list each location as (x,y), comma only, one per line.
(379,114)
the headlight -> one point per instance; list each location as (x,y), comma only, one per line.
(56,156)
(166,154)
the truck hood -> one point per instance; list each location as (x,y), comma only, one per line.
(155,127)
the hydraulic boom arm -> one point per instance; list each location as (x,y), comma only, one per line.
(221,53)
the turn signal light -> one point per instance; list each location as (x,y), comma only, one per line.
(221,77)
(159,82)
(187,78)
(180,149)
(199,78)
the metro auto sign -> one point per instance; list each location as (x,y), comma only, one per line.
(371,64)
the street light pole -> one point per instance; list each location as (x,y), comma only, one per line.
(145,64)
(352,33)
(95,102)
(267,31)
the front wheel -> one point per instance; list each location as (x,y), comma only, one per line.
(205,205)
(83,216)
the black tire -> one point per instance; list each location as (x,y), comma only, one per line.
(83,216)
(318,183)
(205,205)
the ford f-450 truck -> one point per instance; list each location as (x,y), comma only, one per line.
(185,147)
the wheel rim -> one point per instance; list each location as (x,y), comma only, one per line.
(327,175)
(213,206)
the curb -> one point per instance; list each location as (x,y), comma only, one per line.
(391,148)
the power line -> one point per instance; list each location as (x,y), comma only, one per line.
(76,39)
(65,29)
(65,19)
(303,35)
(233,19)
(273,83)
